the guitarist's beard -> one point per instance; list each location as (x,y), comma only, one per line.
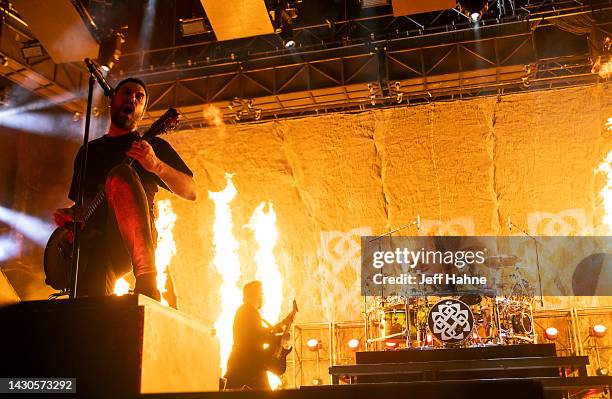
(125,120)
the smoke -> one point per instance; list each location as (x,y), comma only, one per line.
(213,116)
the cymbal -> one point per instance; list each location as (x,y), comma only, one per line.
(500,261)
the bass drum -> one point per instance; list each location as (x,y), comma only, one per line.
(450,321)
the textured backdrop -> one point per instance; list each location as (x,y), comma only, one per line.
(463,166)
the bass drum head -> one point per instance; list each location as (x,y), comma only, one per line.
(450,321)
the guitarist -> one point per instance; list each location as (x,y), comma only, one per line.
(249,361)
(121,235)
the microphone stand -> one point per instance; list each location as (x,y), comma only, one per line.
(535,243)
(76,228)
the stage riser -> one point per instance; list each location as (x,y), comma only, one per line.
(493,352)
(110,345)
(439,390)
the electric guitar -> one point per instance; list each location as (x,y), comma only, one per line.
(58,252)
(278,363)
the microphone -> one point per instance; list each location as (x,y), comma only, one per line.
(509,223)
(97,73)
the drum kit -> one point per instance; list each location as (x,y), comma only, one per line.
(443,319)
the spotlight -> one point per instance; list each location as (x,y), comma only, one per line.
(289,43)
(602,371)
(4,60)
(313,344)
(76,116)
(110,50)
(283,17)
(599,330)
(551,333)
(317,381)
(473,9)
(37,230)
(353,344)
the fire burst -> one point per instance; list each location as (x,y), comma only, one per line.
(227,264)
(263,225)
(606,192)
(165,250)
(166,247)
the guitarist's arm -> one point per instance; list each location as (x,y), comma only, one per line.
(178,182)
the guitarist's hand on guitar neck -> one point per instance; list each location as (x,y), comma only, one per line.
(142,152)
(289,318)
(178,182)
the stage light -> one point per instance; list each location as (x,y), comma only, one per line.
(390,344)
(148,22)
(473,9)
(44,124)
(551,333)
(313,344)
(35,229)
(194,26)
(283,23)
(289,43)
(599,330)
(316,381)
(110,50)
(602,371)
(9,248)
(353,344)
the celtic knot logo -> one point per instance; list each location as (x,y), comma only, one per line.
(450,321)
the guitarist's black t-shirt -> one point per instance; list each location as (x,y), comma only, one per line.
(106,152)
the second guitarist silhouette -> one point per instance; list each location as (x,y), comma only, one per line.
(253,350)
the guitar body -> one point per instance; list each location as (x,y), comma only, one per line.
(279,363)
(58,258)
